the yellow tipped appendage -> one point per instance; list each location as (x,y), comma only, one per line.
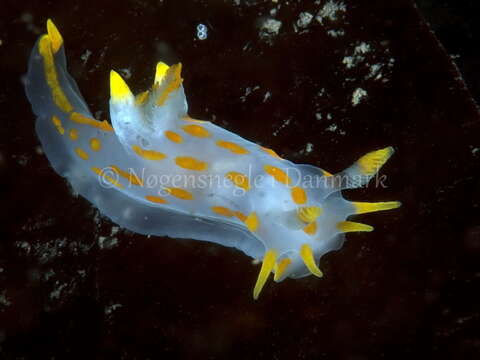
(370,163)
(306,253)
(119,90)
(160,72)
(54,35)
(280,268)
(267,266)
(173,79)
(309,214)
(350,226)
(366,207)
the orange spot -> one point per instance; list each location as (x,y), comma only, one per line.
(73,133)
(130,176)
(108,178)
(173,136)
(240,216)
(148,154)
(299,195)
(191,163)
(311,228)
(252,222)
(58,125)
(238,179)
(196,130)
(95,144)
(220,210)
(180,193)
(82,119)
(278,174)
(156,199)
(234,148)
(270,152)
(81,153)
(188,118)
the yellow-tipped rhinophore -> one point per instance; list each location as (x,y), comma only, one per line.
(350,226)
(309,214)
(267,266)
(54,35)
(306,253)
(366,207)
(160,72)
(280,268)
(370,163)
(173,77)
(119,89)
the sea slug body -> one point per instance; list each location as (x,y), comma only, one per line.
(210,184)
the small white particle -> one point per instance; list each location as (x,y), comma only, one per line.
(110,309)
(269,28)
(3,299)
(309,148)
(304,19)
(318,116)
(475,151)
(336,33)
(84,57)
(202,32)
(358,95)
(330,11)
(284,124)
(127,74)
(267,96)
(332,128)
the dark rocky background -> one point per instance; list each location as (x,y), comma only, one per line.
(74,285)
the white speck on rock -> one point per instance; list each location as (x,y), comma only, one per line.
(126,72)
(3,299)
(269,28)
(308,148)
(332,128)
(84,57)
(284,124)
(110,309)
(304,19)
(331,10)
(358,95)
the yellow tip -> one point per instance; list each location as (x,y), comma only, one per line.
(372,162)
(306,253)
(309,214)
(119,89)
(350,226)
(281,267)
(173,79)
(160,72)
(366,207)
(54,35)
(267,266)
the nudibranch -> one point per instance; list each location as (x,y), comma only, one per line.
(154,170)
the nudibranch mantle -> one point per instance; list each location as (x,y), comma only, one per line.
(157,171)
